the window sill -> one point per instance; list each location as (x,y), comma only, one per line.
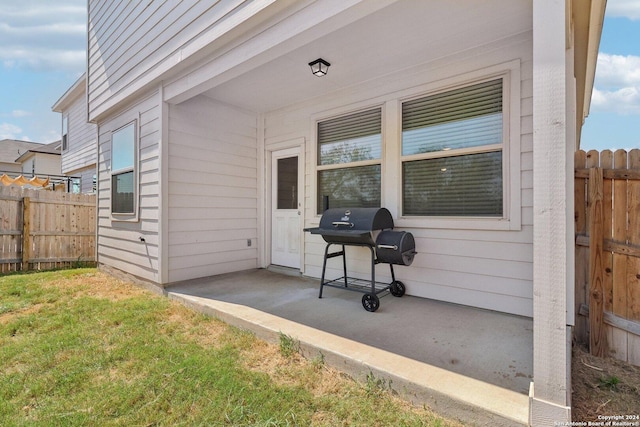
(124,217)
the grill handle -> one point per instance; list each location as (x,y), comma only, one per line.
(337,223)
(394,247)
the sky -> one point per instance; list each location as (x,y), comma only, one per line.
(42,53)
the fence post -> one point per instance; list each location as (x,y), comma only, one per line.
(26,229)
(597,337)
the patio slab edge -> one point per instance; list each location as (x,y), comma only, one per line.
(447,393)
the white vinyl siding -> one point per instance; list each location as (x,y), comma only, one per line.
(469,263)
(81,153)
(131,43)
(213,190)
(119,243)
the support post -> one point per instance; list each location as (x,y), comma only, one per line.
(26,230)
(553,140)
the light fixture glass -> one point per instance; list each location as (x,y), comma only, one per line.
(319,67)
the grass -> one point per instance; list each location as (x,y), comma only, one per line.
(78,347)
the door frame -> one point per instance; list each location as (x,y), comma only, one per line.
(284,149)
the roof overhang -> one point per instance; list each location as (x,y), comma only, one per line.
(76,90)
(588,18)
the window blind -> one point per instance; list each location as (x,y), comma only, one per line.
(469,185)
(350,138)
(459,181)
(461,118)
(350,187)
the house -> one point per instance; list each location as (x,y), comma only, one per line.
(217,145)
(41,159)
(16,156)
(30,163)
(79,137)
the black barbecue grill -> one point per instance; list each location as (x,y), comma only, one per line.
(358,227)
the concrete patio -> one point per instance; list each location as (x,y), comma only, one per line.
(463,362)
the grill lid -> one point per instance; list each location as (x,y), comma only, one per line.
(352,225)
(356,219)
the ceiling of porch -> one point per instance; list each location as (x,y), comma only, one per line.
(400,36)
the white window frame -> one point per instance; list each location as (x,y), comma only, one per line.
(126,216)
(511,168)
(65,132)
(318,168)
(459,152)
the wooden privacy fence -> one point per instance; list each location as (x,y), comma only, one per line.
(607,226)
(41,229)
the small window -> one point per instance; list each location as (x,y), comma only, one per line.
(349,160)
(65,132)
(452,153)
(123,183)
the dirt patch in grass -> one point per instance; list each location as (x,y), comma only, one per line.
(313,374)
(98,285)
(603,387)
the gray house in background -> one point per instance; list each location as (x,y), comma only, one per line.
(459,117)
(78,137)
(14,155)
(29,158)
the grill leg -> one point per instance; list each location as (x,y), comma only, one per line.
(344,266)
(373,270)
(324,268)
(393,276)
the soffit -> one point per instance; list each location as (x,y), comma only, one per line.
(400,36)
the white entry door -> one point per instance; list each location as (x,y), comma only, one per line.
(286,202)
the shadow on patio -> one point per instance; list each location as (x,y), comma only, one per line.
(493,348)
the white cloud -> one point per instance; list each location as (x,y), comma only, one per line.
(624,9)
(624,101)
(42,36)
(617,70)
(20,113)
(9,131)
(617,84)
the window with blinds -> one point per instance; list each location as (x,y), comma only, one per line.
(123,188)
(452,153)
(349,156)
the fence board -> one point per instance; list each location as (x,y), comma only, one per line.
(582,253)
(606,162)
(61,229)
(619,234)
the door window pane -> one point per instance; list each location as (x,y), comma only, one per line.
(288,183)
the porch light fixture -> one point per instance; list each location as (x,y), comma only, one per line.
(319,67)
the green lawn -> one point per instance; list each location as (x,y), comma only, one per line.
(78,347)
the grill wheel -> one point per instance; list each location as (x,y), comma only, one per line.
(370,302)
(397,289)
